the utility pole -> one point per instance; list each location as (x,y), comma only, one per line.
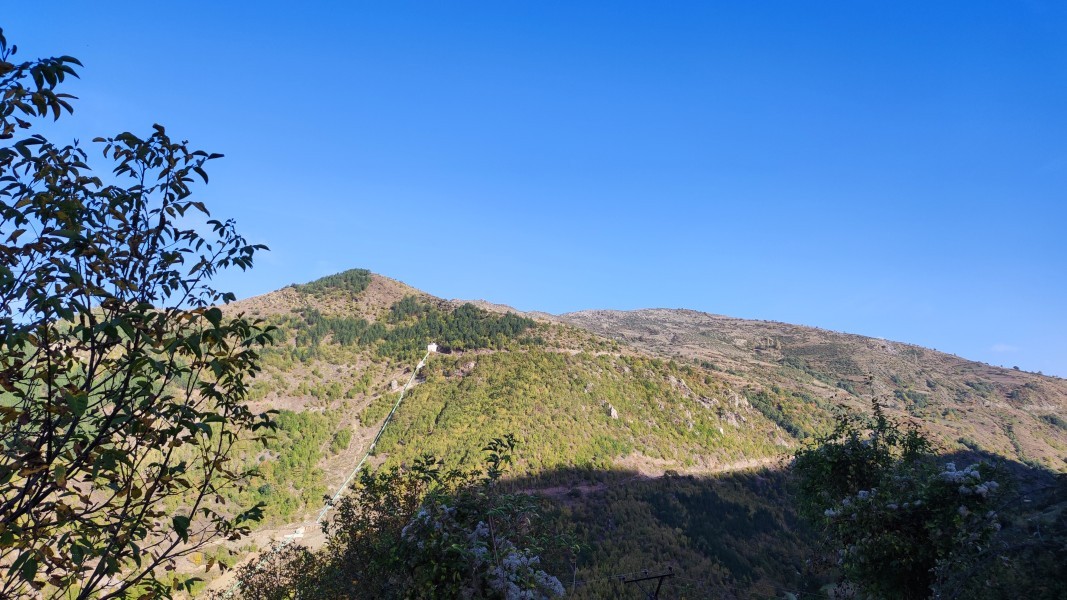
(654,594)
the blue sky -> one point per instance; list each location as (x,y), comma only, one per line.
(895,169)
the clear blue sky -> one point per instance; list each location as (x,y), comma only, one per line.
(895,169)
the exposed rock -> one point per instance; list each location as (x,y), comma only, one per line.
(612,412)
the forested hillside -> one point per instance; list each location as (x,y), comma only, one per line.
(654,455)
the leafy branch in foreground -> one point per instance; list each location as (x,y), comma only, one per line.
(122,382)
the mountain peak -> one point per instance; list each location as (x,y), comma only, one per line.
(355,291)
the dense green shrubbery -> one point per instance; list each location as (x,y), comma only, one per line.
(351,282)
(408,306)
(340,441)
(800,414)
(914,400)
(465,328)
(412,326)
(560,405)
(289,480)
(772,408)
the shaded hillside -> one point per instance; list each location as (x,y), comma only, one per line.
(722,536)
(964,403)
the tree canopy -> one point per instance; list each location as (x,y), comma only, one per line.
(121,380)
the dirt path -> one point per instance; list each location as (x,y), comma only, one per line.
(560,491)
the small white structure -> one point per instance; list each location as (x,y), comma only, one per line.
(431,348)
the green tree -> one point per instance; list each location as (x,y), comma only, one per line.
(896,519)
(122,381)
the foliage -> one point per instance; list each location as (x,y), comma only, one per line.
(351,282)
(405,308)
(723,534)
(412,326)
(420,532)
(340,441)
(1054,420)
(122,386)
(773,409)
(288,479)
(896,521)
(1025,557)
(558,403)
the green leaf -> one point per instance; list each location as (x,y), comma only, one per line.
(214,316)
(78,403)
(29,569)
(181,527)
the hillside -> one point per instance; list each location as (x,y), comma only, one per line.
(575,398)
(964,403)
(605,404)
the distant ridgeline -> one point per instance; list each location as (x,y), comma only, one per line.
(408,327)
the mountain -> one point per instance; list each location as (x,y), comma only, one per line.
(657,433)
(1006,411)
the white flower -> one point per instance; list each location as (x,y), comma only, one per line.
(963,511)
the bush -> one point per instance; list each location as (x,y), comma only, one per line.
(897,522)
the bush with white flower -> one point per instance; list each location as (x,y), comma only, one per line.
(893,517)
